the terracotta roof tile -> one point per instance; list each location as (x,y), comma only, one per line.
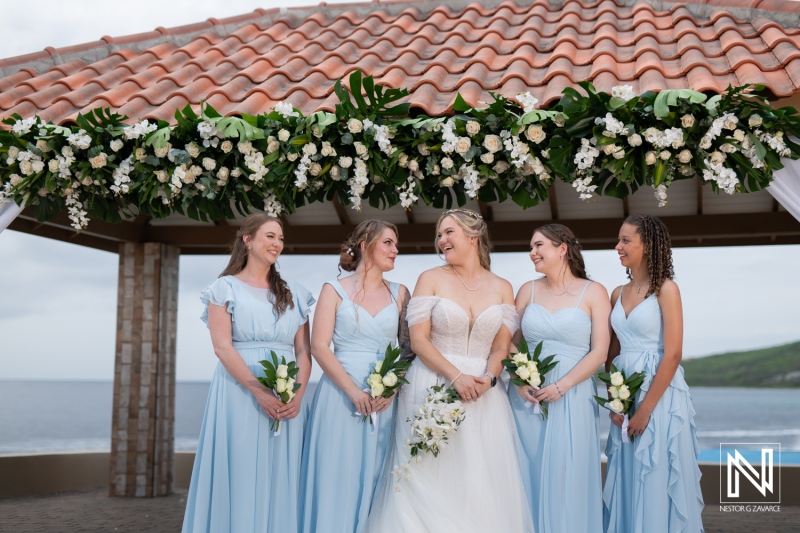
(247,64)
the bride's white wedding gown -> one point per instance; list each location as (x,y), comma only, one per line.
(475,484)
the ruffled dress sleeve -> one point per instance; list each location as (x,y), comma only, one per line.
(510,318)
(419,309)
(219,292)
(302,299)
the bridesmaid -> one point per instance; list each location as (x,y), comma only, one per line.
(344,457)
(560,456)
(244,477)
(652,484)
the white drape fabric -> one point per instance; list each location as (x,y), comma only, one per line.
(8,212)
(786,186)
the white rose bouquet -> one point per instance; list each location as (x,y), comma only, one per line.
(530,370)
(279,377)
(435,420)
(623,393)
(386,377)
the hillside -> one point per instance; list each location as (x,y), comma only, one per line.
(778,366)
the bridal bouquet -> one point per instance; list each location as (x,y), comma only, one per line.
(279,377)
(438,417)
(623,393)
(530,370)
(386,377)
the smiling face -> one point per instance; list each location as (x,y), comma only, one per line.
(266,244)
(547,257)
(384,251)
(453,242)
(630,246)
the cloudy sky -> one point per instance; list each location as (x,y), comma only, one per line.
(58,310)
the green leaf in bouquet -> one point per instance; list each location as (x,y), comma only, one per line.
(522,347)
(274,359)
(605,377)
(601,401)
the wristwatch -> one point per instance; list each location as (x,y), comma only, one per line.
(492,377)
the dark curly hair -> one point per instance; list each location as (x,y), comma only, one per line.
(657,250)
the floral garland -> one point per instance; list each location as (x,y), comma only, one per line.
(206,165)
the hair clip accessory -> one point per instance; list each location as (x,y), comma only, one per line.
(467,212)
(349,251)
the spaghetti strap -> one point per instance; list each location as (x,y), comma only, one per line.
(533,283)
(582,293)
(394,290)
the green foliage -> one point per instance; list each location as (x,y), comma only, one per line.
(777,366)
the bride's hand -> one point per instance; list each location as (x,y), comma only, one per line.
(469,387)
(527,393)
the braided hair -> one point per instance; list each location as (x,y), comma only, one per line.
(657,250)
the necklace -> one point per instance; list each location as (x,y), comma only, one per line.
(465,285)
(547,286)
(639,287)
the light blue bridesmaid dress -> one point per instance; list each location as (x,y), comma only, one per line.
(560,456)
(244,478)
(343,457)
(652,484)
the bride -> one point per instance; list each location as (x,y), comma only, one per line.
(460,319)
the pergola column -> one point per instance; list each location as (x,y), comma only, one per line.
(142,433)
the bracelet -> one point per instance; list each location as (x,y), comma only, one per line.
(453,381)
(559,390)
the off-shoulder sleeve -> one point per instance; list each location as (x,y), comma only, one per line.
(303,300)
(219,292)
(510,318)
(419,309)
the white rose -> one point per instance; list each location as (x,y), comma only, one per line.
(53,165)
(378,366)
(336,172)
(374,379)
(727,148)
(487,158)
(140,154)
(617,379)
(223,173)
(755,121)
(609,149)
(413,166)
(280,385)
(436,170)
(423,149)
(291,156)
(616,405)
(650,158)
(523,372)
(614,392)
(664,154)
(361,149)
(195,171)
(99,161)
(355,125)
(15,179)
(718,158)
(162,176)
(290,387)
(315,131)
(390,379)
(500,167)
(624,392)
(705,143)
(209,164)
(273,146)
(315,169)
(377,389)
(738,135)
(26,167)
(13,152)
(635,140)
(163,151)
(188,178)
(535,133)
(685,156)
(290,394)
(282,371)
(193,150)
(473,128)
(619,153)
(687,121)
(730,123)
(402,161)
(226,146)
(493,143)
(116,145)
(463,145)
(327,150)
(283,136)
(520,358)
(535,380)
(87,181)
(447,182)
(310,149)
(345,162)
(447,163)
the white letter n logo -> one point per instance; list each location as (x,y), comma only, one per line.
(738,464)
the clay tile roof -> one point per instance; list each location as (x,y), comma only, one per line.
(246,64)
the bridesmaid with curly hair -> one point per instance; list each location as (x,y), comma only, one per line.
(653,483)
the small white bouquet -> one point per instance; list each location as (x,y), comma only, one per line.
(530,370)
(279,377)
(386,377)
(435,420)
(623,393)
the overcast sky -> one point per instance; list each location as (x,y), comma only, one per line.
(58,310)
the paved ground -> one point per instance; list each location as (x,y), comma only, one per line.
(94,512)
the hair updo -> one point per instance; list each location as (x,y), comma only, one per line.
(368,231)
(474,226)
(657,250)
(559,234)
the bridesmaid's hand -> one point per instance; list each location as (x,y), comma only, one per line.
(550,393)
(362,401)
(638,422)
(268,402)
(527,393)
(291,409)
(468,387)
(616,418)
(381,404)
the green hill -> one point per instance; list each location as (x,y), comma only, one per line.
(778,366)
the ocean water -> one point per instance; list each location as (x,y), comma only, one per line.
(60,416)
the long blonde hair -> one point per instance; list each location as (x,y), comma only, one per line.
(474,226)
(277,286)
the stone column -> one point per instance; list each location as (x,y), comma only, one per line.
(142,433)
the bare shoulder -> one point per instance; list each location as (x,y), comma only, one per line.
(502,287)
(615,294)
(428,280)
(596,291)
(403,293)
(525,290)
(669,291)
